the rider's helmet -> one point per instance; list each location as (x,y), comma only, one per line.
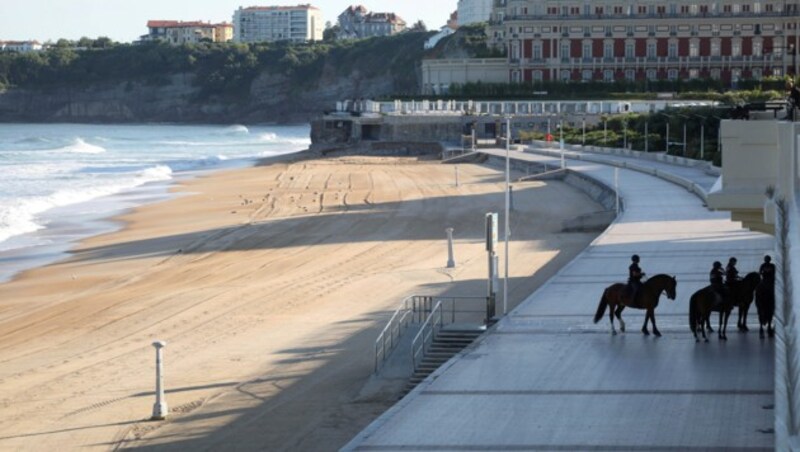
(767,259)
(635,258)
(717,264)
(732,261)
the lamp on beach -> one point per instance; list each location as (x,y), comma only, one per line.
(507,232)
(160,409)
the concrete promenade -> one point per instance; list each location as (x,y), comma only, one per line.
(547,378)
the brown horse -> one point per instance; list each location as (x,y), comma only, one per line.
(706,300)
(616,298)
(743,297)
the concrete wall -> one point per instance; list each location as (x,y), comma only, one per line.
(438,75)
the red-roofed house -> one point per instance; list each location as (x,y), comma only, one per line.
(299,23)
(20,46)
(177,32)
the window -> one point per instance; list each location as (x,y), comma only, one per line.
(672,50)
(684,9)
(629,50)
(661,9)
(673,9)
(715,48)
(651,50)
(652,75)
(642,9)
(617,10)
(537,51)
(777,72)
(608,75)
(736,75)
(586,75)
(726,8)
(587,50)
(715,74)
(736,49)
(694,73)
(565,75)
(608,50)
(538,76)
(757,48)
(694,48)
(598,10)
(630,74)
(565,51)
(757,74)
(672,74)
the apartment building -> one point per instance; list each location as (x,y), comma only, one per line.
(177,32)
(358,22)
(574,40)
(299,23)
(474,11)
(20,46)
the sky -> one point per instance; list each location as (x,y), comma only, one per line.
(126,20)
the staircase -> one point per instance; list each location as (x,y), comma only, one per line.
(447,343)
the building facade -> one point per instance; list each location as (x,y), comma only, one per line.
(357,22)
(574,40)
(299,23)
(177,32)
(20,46)
(474,11)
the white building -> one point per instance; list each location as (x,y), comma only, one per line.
(357,22)
(299,23)
(177,32)
(433,40)
(20,46)
(474,11)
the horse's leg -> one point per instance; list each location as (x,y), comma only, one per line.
(618,313)
(739,324)
(703,322)
(725,326)
(708,323)
(652,313)
(644,327)
(611,317)
(744,318)
(719,330)
(760,330)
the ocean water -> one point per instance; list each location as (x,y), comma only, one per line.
(61,182)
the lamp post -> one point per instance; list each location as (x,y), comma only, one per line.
(605,131)
(583,140)
(507,230)
(685,119)
(646,136)
(702,136)
(666,141)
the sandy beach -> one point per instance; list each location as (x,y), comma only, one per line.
(269,285)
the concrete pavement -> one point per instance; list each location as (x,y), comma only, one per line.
(548,378)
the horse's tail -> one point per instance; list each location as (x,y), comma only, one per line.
(693,314)
(601,308)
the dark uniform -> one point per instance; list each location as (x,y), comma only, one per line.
(715,277)
(635,275)
(767,271)
(731,273)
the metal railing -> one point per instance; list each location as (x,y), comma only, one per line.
(461,309)
(413,309)
(426,334)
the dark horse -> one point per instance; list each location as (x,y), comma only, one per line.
(765,303)
(744,297)
(706,300)
(616,298)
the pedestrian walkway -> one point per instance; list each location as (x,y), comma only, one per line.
(547,378)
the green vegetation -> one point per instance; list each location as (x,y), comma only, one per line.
(226,70)
(469,41)
(630,129)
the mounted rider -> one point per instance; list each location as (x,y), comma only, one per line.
(731,273)
(635,275)
(715,277)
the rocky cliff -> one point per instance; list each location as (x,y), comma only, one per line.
(265,91)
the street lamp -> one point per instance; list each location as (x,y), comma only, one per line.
(583,141)
(685,118)
(666,140)
(702,135)
(605,131)
(507,231)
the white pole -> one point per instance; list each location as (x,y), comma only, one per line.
(451,263)
(616,187)
(456,168)
(646,138)
(508,213)
(160,409)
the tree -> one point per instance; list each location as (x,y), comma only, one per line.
(102,42)
(419,26)
(85,43)
(329,35)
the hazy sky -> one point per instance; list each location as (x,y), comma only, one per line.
(126,20)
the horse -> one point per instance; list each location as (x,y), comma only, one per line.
(701,303)
(765,303)
(743,297)
(616,299)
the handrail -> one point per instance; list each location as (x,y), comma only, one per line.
(412,309)
(426,334)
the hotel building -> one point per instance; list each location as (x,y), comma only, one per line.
(474,11)
(278,23)
(574,40)
(176,32)
(357,22)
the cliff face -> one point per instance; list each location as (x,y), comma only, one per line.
(271,98)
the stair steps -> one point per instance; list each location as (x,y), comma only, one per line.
(445,345)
